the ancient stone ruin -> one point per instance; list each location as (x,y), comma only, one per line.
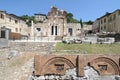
(77,67)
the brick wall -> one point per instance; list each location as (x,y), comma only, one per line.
(15,36)
(103,64)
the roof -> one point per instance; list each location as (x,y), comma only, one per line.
(13,15)
(40,14)
(107,14)
(2,11)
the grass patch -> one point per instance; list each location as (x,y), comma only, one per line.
(90,48)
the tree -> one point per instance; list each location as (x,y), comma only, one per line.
(81,23)
(89,22)
(70,18)
(69,15)
(28,19)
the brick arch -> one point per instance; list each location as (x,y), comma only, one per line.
(57,59)
(108,61)
(47,66)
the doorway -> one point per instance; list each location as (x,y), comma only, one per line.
(2,34)
(70,31)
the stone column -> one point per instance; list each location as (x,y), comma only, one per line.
(59,32)
(32,29)
(54,30)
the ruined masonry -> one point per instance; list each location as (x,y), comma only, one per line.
(74,66)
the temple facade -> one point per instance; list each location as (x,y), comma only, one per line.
(55,25)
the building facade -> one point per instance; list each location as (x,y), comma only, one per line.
(109,23)
(55,25)
(40,17)
(12,26)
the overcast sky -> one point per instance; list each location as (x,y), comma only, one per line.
(85,9)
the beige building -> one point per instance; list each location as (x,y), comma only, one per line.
(40,17)
(55,25)
(12,26)
(109,23)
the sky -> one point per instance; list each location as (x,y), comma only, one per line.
(81,9)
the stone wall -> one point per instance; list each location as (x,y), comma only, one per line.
(32,46)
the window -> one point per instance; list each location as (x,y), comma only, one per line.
(104,27)
(102,67)
(59,67)
(2,34)
(1,16)
(38,29)
(16,29)
(70,30)
(16,21)
(105,20)
(110,19)
(114,17)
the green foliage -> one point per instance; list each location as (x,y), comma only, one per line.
(70,18)
(28,19)
(81,23)
(89,22)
